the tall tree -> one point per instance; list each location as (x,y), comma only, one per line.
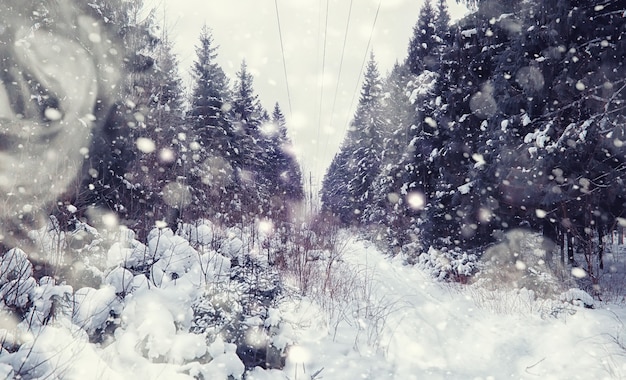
(336,197)
(366,137)
(246,105)
(387,203)
(423,42)
(361,153)
(290,174)
(442,22)
(114,183)
(281,171)
(443,33)
(211,147)
(158,163)
(209,110)
(248,117)
(461,196)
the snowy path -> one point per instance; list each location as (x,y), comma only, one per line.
(432,331)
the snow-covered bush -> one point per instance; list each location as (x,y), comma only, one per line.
(154,327)
(129,253)
(203,233)
(577,297)
(59,351)
(121,279)
(140,306)
(233,245)
(238,311)
(61,244)
(94,310)
(35,303)
(50,301)
(225,363)
(173,258)
(449,264)
(198,302)
(16,283)
(51,240)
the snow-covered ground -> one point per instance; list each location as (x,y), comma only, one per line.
(363,316)
(415,328)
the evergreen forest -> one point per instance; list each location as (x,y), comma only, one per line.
(511,118)
(151,228)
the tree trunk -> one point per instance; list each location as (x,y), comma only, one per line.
(570,248)
(562,245)
(601,245)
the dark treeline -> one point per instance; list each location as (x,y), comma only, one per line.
(199,176)
(514,116)
(173,157)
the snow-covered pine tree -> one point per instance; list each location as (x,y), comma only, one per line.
(570,117)
(248,117)
(211,155)
(210,100)
(283,171)
(114,183)
(532,107)
(346,189)
(415,173)
(406,171)
(442,23)
(422,44)
(398,113)
(158,163)
(246,105)
(461,197)
(336,198)
(364,140)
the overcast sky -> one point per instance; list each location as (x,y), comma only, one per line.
(248,29)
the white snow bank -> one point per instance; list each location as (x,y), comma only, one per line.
(577,297)
(55,352)
(201,233)
(92,307)
(409,327)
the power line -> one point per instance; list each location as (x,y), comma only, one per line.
(343,50)
(317,43)
(282,49)
(319,126)
(369,42)
(323,72)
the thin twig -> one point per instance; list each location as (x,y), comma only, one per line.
(534,365)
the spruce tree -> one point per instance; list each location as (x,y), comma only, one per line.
(574,117)
(158,163)
(210,147)
(115,181)
(246,105)
(336,197)
(357,165)
(248,117)
(442,22)
(423,42)
(386,204)
(209,111)
(291,183)
(282,170)
(366,138)
(464,107)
